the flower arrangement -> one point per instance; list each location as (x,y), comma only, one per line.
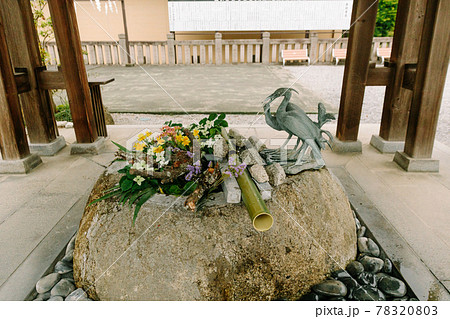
(172,162)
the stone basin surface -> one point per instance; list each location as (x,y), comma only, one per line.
(174,254)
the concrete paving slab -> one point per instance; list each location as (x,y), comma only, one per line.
(31,223)
(404,218)
(37,207)
(24,278)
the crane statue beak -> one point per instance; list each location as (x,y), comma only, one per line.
(269,99)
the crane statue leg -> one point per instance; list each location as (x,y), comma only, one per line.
(297,155)
(287,141)
(292,155)
(316,153)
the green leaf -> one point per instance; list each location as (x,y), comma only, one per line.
(154,182)
(224,123)
(212,116)
(130,176)
(122,148)
(126,184)
(174,190)
(221,116)
(124,170)
(136,196)
(122,180)
(189,187)
(110,194)
(142,200)
(124,197)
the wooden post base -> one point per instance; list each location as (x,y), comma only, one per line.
(20,166)
(88,148)
(388,147)
(346,146)
(49,149)
(411,164)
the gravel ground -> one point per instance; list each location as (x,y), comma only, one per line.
(326,82)
(158,120)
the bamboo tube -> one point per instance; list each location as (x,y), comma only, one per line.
(259,214)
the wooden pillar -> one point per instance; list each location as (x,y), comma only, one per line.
(72,64)
(13,139)
(405,50)
(24,51)
(430,80)
(356,68)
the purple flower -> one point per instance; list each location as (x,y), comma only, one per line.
(193,170)
(191,155)
(235,170)
(189,176)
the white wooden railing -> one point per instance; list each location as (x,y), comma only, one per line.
(217,51)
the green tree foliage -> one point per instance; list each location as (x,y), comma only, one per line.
(387,11)
(44,27)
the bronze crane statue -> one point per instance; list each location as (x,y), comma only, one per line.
(292,119)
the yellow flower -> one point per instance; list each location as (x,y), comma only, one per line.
(179,138)
(186,141)
(141,137)
(158,149)
(160,141)
(195,132)
(148,133)
(138,146)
